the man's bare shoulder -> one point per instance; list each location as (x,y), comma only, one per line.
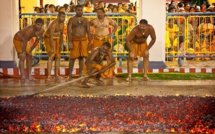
(70,19)
(53,23)
(27,29)
(73,18)
(150,26)
(135,29)
(85,19)
(93,20)
(109,19)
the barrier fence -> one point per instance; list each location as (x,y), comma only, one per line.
(189,36)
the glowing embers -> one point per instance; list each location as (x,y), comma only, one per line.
(107,114)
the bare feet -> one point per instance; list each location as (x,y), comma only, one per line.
(84,85)
(99,82)
(68,78)
(23,80)
(49,78)
(145,78)
(31,79)
(129,78)
(57,79)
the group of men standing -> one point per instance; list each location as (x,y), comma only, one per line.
(81,45)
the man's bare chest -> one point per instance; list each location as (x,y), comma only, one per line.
(59,27)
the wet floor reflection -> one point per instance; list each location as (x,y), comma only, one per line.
(14,87)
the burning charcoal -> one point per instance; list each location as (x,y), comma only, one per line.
(108,114)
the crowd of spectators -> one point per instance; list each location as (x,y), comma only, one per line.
(199,28)
(88,7)
(175,6)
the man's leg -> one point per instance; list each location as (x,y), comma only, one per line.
(71,65)
(49,67)
(57,66)
(129,68)
(28,64)
(81,63)
(21,68)
(145,66)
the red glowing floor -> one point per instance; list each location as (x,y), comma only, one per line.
(108,114)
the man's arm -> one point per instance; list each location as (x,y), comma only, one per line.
(37,40)
(90,58)
(91,22)
(91,25)
(112,62)
(115,26)
(88,35)
(69,32)
(129,38)
(153,38)
(51,33)
(61,38)
(35,44)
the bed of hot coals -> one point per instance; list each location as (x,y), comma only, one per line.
(108,114)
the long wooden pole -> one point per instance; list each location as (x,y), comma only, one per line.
(62,84)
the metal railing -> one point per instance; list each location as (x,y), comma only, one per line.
(190,36)
(191,39)
(125,23)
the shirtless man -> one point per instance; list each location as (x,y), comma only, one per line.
(137,46)
(96,67)
(78,28)
(23,48)
(53,39)
(101,25)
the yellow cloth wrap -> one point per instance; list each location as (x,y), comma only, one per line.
(80,47)
(98,41)
(56,47)
(109,73)
(19,44)
(138,49)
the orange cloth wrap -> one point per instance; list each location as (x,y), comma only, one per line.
(80,47)
(98,41)
(138,49)
(19,44)
(109,73)
(56,47)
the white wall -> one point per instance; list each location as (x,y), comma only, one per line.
(154,12)
(56,2)
(62,2)
(9,25)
